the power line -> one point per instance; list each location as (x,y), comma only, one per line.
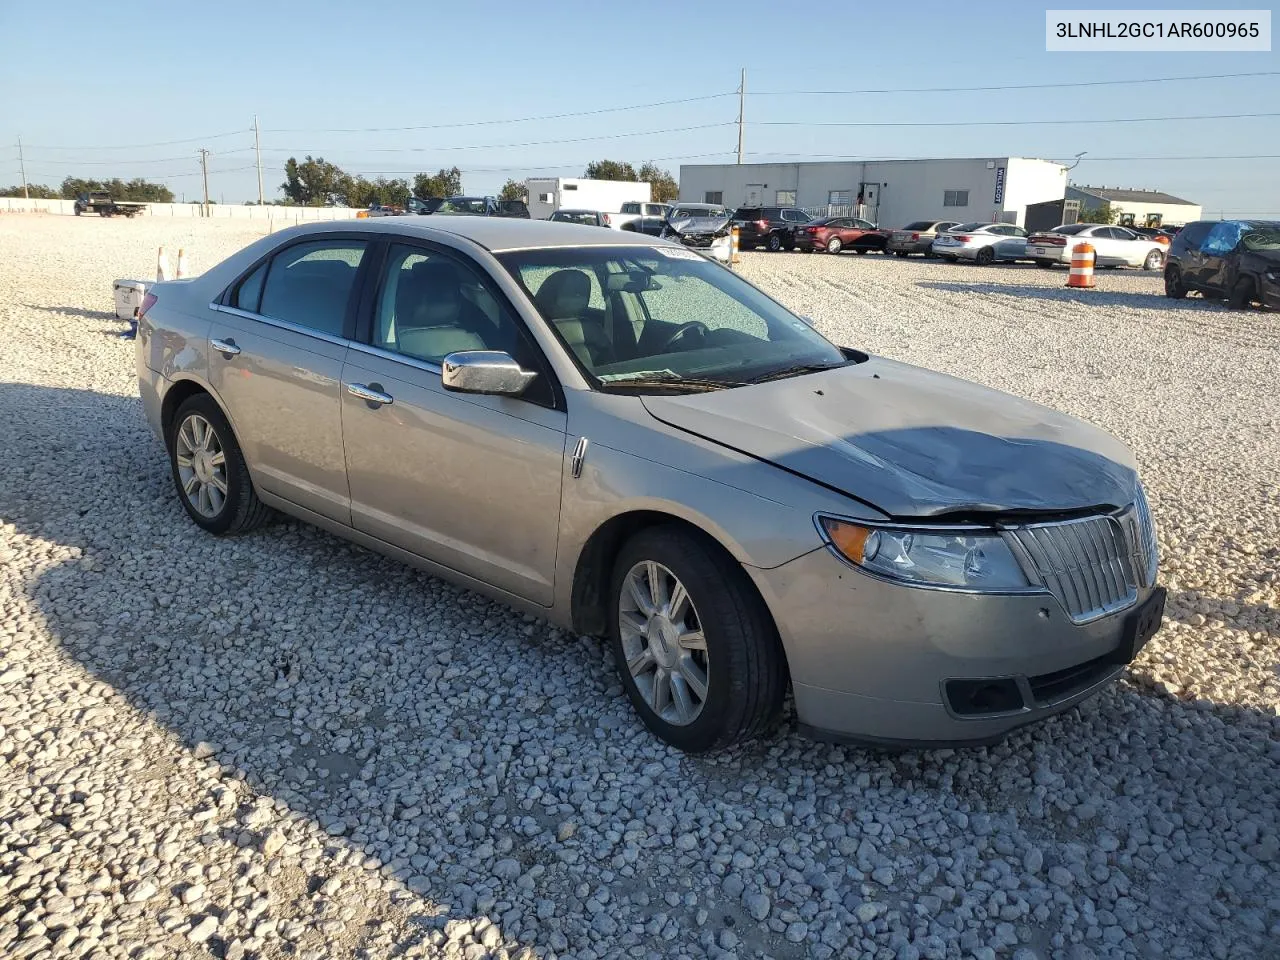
(1003,123)
(858,157)
(1015,86)
(139,146)
(120,161)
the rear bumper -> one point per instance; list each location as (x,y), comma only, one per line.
(1054,254)
(910,246)
(877,662)
(965,253)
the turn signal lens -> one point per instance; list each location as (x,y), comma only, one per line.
(849,538)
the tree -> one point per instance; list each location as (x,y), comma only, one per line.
(36,191)
(610,170)
(314,183)
(360,192)
(662,185)
(442,183)
(1099,214)
(512,190)
(137,189)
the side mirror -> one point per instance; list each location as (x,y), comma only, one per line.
(484,371)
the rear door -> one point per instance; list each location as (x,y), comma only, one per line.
(468,481)
(277,345)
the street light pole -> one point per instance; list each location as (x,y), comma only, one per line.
(204,169)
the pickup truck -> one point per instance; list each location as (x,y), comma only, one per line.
(635,210)
(101,203)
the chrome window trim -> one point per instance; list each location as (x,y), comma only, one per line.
(283,325)
(404,358)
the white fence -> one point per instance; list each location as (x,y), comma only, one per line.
(217,211)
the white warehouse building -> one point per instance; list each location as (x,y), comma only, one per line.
(890,193)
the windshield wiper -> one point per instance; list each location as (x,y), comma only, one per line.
(665,379)
(796,371)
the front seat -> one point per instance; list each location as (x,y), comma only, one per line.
(563,300)
(433,319)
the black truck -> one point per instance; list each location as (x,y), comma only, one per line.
(100,202)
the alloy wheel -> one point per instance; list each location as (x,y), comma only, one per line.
(663,642)
(202,466)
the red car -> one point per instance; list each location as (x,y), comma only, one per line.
(834,234)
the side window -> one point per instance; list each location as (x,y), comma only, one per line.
(1017,232)
(310,283)
(862,224)
(1192,235)
(431,305)
(1222,239)
(249,294)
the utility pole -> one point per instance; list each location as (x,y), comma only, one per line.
(257,149)
(204,169)
(742,103)
(22,166)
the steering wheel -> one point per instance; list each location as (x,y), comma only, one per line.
(684,328)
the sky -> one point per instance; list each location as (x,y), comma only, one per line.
(334,79)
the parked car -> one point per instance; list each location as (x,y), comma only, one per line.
(481,207)
(704,227)
(592,218)
(1112,246)
(918,236)
(657,225)
(100,202)
(983,243)
(381,210)
(773,228)
(631,211)
(1235,260)
(692,472)
(834,234)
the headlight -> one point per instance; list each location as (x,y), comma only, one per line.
(957,559)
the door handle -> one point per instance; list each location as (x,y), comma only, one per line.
(371,394)
(226,347)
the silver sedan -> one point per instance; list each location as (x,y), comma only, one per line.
(983,243)
(622,436)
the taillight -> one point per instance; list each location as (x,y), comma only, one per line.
(915,236)
(812,230)
(962,237)
(148,302)
(762,226)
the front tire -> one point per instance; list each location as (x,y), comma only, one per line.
(1241,297)
(209,470)
(696,648)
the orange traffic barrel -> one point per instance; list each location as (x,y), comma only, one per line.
(1081,266)
(734,245)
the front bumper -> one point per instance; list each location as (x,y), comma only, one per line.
(871,660)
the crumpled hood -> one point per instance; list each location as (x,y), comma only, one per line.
(912,442)
(693,225)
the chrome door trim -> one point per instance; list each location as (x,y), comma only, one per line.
(397,357)
(368,394)
(283,325)
(225,347)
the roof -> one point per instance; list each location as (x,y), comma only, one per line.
(492,233)
(1133,196)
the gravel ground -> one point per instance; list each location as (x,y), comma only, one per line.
(285,746)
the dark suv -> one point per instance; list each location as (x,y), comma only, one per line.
(773,228)
(481,207)
(1236,260)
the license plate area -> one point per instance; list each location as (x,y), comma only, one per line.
(1140,626)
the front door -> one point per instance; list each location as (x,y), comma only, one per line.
(275,359)
(471,482)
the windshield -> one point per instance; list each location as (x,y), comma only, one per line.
(1262,236)
(474,206)
(665,313)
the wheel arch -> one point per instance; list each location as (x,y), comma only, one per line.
(178,393)
(593,570)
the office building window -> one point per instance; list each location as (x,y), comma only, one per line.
(786,198)
(955,198)
(840,198)
(713,196)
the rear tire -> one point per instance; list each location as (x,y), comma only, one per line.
(1047,264)
(1241,297)
(1174,288)
(775,243)
(1154,261)
(237,509)
(834,245)
(723,636)
(949,258)
(900,253)
(985,257)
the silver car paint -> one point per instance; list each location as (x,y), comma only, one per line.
(914,443)
(834,623)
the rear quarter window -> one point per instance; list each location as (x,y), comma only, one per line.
(309,284)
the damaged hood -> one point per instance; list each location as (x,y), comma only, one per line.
(692,225)
(912,442)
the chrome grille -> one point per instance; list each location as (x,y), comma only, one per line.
(1094,565)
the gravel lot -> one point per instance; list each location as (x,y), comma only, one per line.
(284,746)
